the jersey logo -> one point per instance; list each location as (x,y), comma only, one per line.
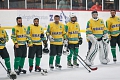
(77,26)
(17,30)
(100,28)
(116,25)
(101,22)
(21,36)
(35,35)
(73,32)
(60,27)
(118,19)
(56,33)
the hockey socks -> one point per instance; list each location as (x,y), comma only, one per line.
(51,58)
(58,59)
(16,62)
(70,55)
(7,63)
(31,62)
(113,50)
(38,61)
(75,54)
(22,62)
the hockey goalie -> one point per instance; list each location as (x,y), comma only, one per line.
(98,39)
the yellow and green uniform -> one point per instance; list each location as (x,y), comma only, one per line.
(3,35)
(57,31)
(113,25)
(73,35)
(73,32)
(19,37)
(3,51)
(33,34)
(97,28)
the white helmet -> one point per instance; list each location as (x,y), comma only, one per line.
(72,15)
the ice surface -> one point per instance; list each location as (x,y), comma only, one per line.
(104,72)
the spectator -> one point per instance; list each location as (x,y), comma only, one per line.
(96,7)
(63,4)
(90,4)
(75,4)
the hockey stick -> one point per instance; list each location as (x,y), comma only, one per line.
(83,65)
(10,76)
(3,66)
(88,65)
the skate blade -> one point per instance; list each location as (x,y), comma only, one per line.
(70,66)
(44,73)
(58,68)
(76,66)
(51,69)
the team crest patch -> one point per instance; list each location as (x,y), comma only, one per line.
(76,26)
(60,27)
(118,19)
(17,30)
(101,22)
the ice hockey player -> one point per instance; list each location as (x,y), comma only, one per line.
(56,34)
(74,40)
(97,36)
(4,53)
(35,34)
(20,49)
(113,25)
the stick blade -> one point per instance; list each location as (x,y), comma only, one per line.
(93,69)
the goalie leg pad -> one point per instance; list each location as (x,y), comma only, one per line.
(93,50)
(103,53)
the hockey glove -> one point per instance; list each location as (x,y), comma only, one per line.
(42,35)
(2,40)
(45,49)
(65,42)
(80,41)
(50,38)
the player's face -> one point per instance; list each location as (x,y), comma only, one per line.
(36,22)
(73,19)
(95,15)
(57,19)
(113,13)
(19,22)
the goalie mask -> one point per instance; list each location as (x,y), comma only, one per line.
(95,15)
(73,17)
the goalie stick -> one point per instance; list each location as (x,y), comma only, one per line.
(83,65)
(91,68)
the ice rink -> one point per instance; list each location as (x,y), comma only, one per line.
(104,72)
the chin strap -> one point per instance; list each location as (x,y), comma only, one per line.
(95,19)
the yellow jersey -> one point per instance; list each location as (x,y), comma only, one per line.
(97,28)
(3,34)
(19,35)
(34,33)
(73,32)
(113,25)
(57,31)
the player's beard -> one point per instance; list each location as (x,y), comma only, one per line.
(20,24)
(35,24)
(113,16)
(56,22)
